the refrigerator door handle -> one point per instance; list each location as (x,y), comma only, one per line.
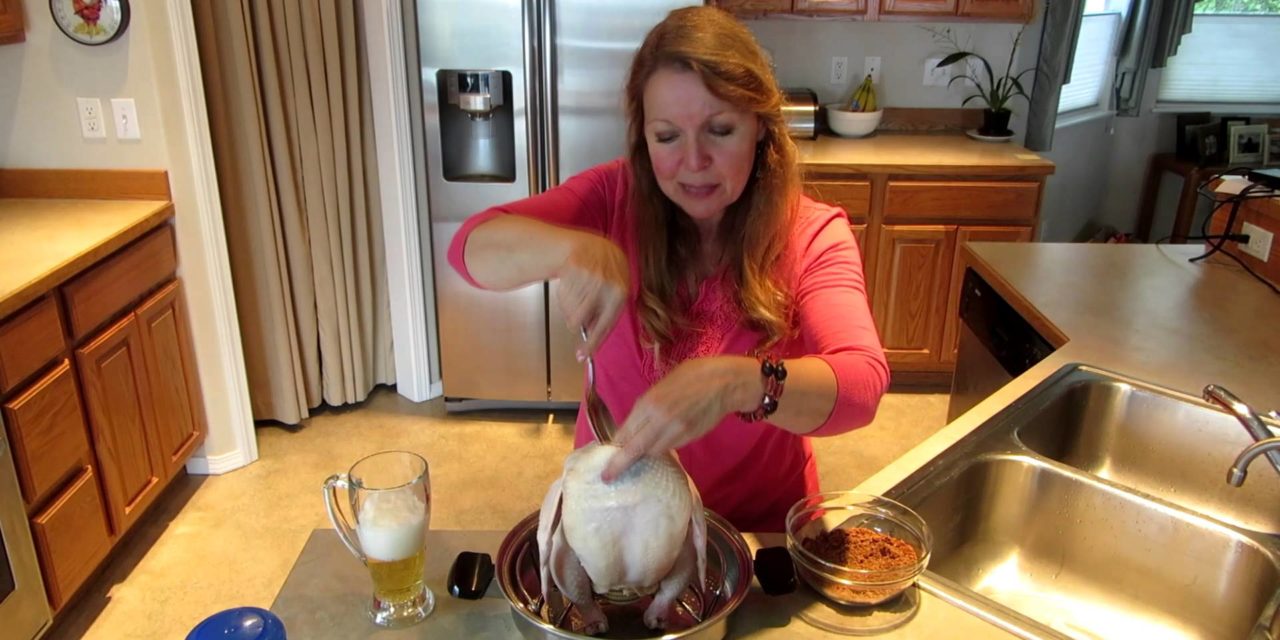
(534,109)
(550,107)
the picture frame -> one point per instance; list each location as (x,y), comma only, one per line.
(1247,144)
(1206,145)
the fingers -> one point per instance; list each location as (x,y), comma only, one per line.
(621,460)
(644,433)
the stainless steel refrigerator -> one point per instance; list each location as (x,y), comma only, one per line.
(516,95)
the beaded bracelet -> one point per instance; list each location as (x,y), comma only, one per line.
(775,377)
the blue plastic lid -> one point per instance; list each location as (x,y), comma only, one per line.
(241,623)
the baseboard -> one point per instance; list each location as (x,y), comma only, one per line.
(218,465)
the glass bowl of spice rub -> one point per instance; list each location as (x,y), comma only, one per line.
(857,549)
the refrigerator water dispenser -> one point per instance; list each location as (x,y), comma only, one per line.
(477,132)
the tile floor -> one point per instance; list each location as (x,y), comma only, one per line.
(212,543)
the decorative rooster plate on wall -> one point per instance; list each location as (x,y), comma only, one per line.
(91,22)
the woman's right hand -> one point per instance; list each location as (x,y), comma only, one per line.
(593,288)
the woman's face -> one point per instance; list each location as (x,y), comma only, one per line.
(702,148)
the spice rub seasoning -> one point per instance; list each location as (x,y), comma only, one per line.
(863,549)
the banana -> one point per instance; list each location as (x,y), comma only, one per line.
(860,94)
(869,101)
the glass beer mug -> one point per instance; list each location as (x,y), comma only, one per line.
(389,495)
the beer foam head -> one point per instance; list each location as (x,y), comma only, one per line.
(392,524)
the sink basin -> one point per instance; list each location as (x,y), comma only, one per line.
(1172,447)
(1096,506)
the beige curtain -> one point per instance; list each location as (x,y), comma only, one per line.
(288,98)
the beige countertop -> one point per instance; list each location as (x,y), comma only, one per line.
(920,153)
(1139,310)
(327,591)
(44,241)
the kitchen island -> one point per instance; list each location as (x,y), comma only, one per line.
(1139,310)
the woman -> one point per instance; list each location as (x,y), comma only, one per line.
(695,266)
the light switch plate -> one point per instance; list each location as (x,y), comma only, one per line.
(92,125)
(125,114)
(871,67)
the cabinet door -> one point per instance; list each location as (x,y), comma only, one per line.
(1008,9)
(831,6)
(918,7)
(951,332)
(754,6)
(11,24)
(113,376)
(71,537)
(171,376)
(911,290)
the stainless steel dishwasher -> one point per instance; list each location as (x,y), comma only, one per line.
(996,345)
(24,611)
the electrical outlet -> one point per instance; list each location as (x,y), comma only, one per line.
(839,70)
(934,76)
(1259,241)
(125,114)
(871,67)
(91,123)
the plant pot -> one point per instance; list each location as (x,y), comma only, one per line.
(995,123)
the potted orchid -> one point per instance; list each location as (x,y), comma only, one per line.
(997,92)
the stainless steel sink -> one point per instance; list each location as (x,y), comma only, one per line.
(1170,446)
(1097,506)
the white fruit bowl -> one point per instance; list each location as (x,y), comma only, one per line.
(852,124)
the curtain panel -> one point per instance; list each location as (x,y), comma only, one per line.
(1153,31)
(1053,69)
(289,110)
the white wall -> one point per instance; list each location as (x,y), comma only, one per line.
(39,128)
(802,50)
(42,78)
(1101,166)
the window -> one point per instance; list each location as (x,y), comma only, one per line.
(1091,66)
(1095,53)
(1230,58)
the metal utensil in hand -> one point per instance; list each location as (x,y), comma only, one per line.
(598,417)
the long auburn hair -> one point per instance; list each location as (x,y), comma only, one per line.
(724,54)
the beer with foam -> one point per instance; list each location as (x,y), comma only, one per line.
(389,498)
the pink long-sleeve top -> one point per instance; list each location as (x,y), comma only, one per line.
(750,473)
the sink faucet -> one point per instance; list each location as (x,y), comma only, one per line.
(1239,468)
(1252,423)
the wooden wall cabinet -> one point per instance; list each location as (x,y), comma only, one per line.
(12,26)
(932,10)
(101,422)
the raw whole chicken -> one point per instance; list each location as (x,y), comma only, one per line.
(644,533)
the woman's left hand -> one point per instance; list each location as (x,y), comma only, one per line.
(685,405)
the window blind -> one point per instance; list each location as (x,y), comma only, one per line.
(1091,67)
(1226,59)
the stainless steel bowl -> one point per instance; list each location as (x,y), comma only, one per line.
(698,616)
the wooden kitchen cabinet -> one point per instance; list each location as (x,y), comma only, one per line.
(997,9)
(754,7)
(909,229)
(842,7)
(911,284)
(918,7)
(72,538)
(48,434)
(118,395)
(896,10)
(171,377)
(12,26)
